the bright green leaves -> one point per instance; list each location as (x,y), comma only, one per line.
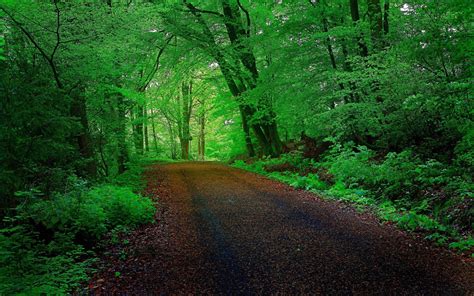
(2,50)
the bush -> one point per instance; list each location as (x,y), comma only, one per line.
(89,214)
(31,267)
(309,182)
(121,206)
(42,249)
(413,221)
(427,196)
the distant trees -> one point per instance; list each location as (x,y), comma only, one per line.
(238,64)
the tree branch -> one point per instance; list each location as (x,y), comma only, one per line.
(30,37)
(247,16)
(58,27)
(194,9)
(152,73)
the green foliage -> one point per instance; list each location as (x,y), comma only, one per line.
(309,182)
(132,177)
(413,221)
(30,266)
(122,206)
(2,43)
(90,213)
(356,196)
(105,92)
(465,150)
(394,188)
(463,245)
(42,251)
(438,238)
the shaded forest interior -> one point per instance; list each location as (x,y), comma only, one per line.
(366,101)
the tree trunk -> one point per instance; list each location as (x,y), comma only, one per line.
(275,140)
(137,128)
(172,141)
(330,50)
(186,109)
(155,139)
(172,135)
(237,35)
(245,127)
(386,8)
(239,81)
(354,5)
(100,146)
(225,68)
(374,12)
(79,110)
(202,131)
(122,157)
(145,129)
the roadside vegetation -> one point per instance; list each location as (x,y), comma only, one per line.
(419,196)
(367,101)
(49,245)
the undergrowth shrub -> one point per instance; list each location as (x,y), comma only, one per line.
(91,213)
(416,194)
(43,247)
(29,266)
(121,206)
(393,178)
(308,182)
(131,178)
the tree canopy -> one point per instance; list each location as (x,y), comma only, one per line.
(89,87)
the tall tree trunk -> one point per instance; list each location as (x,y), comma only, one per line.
(374,12)
(245,127)
(79,110)
(172,141)
(122,157)
(329,48)
(226,72)
(237,35)
(354,5)
(274,138)
(202,138)
(202,131)
(155,139)
(172,135)
(186,109)
(145,128)
(137,127)
(185,150)
(386,9)
(353,95)
(100,146)
(236,92)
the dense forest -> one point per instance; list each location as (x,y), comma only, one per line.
(366,101)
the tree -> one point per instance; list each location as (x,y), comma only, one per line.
(239,66)
(374,12)
(185,101)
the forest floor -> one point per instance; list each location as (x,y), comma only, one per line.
(221,230)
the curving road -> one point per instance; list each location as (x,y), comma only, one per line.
(224,231)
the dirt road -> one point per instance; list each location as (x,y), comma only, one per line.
(221,230)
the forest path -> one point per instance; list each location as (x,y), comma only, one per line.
(221,230)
